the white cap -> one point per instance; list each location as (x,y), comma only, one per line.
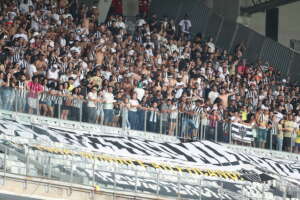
(264,107)
(36,34)
(75,49)
(102,41)
(221,76)
(51,44)
(131,52)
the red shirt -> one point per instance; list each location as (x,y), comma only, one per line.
(34,89)
(241,69)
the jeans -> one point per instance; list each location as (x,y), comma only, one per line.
(75,112)
(187,126)
(7,98)
(92,114)
(279,143)
(164,127)
(125,121)
(108,115)
(262,134)
(152,127)
(132,117)
(141,119)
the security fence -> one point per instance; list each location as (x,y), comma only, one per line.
(165,122)
(228,34)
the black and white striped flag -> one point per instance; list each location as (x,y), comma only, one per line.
(242,133)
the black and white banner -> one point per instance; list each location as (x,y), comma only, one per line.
(242,133)
(203,155)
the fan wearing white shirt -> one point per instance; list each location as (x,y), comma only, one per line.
(108,106)
(53,73)
(91,105)
(31,70)
(185,25)
(211,45)
(139,91)
(212,95)
(133,115)
(24,7)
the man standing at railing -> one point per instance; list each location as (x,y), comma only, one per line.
(92,100)
(35,88)
(289,129)
(262,119)
(108,106)
(165,115)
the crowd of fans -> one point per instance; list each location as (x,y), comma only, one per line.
(56,53)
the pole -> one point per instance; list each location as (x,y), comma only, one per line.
(216,132)
(80,111)
(200,193)
(221,191)
(50,166)
(230,142)
(176,125)
(178,186)
(136,181)
(37,105)
(94,163)
(160,123)
(71,176)
(5,164)
(59,108)
(145,121)
(16,100)
(123,123)
(27,161)
(201,128)
(271,138)
(157,184)
(115,182)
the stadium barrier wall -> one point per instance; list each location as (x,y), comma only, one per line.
(103,178)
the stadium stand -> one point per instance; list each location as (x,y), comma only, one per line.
(159,78)
(134,97)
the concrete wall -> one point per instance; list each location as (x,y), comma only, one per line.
(130,7)
(289,28)
(229,12)
(38,188)
(221,7)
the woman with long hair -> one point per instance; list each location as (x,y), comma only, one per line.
(67,101)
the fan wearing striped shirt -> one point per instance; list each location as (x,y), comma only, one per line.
(191,119)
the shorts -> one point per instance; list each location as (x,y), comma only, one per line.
(297,145)
(49,103)
(108,115)
(32,102)
(261,135)
(287,142)
(63,107)
(173,120)
(42,102)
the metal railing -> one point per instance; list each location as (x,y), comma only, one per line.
(171,122)
(21,160)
